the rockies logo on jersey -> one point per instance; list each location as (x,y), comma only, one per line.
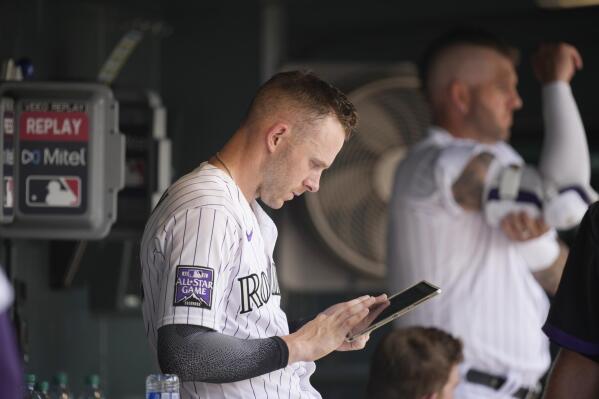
(258,289)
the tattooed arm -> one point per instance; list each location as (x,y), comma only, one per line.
(468,191)
(469,186)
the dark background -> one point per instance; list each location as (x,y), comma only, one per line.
(206,68)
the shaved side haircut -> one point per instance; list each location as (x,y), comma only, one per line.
(305,94)
(460,37)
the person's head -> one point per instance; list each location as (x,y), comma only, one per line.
(415,363)
(470,80)
(302,122)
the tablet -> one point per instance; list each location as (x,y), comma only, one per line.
(400,304)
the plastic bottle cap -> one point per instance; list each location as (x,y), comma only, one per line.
(30,378)
(43,386)
(93,380)
(61,378)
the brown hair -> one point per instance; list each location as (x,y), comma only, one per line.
(304,91)
(413,362)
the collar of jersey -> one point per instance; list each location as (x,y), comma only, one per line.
(253,209)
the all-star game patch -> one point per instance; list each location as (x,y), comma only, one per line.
(193,286)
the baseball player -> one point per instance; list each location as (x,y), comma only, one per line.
(211,296)
(493,275)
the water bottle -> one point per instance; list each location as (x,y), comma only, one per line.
(60,389)
(92,388)
(162,386)
(42,388)
(30,392)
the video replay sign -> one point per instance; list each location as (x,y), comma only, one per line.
(67,160)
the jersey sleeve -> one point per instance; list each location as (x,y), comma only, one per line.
(200,248)
(573,320)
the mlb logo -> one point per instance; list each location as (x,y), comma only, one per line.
(53,191)
(197,274)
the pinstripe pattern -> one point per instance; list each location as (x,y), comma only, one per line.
(204,221)
(490,299)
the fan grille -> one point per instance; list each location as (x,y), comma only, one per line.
(350,209)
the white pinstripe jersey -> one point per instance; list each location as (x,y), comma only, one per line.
(490,298)
(206,259)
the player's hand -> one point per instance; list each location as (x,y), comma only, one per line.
(328,330)
(519,226)
(556,61)
(381,302)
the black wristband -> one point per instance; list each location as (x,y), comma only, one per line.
(283,350)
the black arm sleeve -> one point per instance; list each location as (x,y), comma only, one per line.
(197,353)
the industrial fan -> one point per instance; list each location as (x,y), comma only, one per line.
(349,211)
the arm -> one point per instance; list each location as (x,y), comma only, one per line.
(573,376)
(197,353)
(468,191)
(328,331)
(469,186)
(565,153)
(550,277)
(380,303)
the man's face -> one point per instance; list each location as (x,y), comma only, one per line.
(494,100)
(296,167)
(451,384)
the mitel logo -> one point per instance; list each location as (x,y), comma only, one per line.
(54,157)
(31,157)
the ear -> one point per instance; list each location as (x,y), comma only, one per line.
(275,135)
(460,96)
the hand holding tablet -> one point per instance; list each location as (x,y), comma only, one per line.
(397,305)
